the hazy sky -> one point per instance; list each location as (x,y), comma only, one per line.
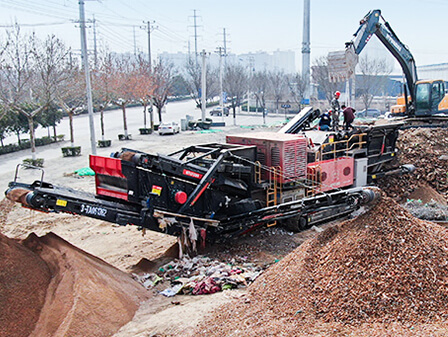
(250,25)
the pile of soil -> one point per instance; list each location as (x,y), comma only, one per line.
(381,272)
(50,288)
(24,278)
(427,150)
(427,194)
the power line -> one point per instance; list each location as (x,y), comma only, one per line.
(149,28)
(195,36)
(38,24)
(46,11)
(117,37)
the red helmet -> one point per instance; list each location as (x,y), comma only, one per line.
(337,94)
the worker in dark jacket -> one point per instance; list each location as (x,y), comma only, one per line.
(325,121)
(349,116)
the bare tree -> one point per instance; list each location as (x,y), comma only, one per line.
(279,86)
(16,69)
(144,87)
(261,88)
(235,84)
(103,81)
(52,66)
(163,82)
(72,94)
(374,77)
(124,86)
(321,77)
(194,80)
(31,72)
(297,88)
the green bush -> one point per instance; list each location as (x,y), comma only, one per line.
(26,144)
(71,151)
(38,162)
(44,141)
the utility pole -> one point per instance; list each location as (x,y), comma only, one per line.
(149,28)
(95,51)
(87,72)
(225,42)
(306,49)
(204,84)
(251,61)
(195,25)
(221,98)
(224,35)
(135,42)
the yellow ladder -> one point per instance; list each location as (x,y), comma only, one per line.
(258,172)
(274,192)
(315,180)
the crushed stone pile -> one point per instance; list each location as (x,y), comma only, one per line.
(382,272)
(427,149)
(50,288)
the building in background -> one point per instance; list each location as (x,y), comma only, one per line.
(258,61)
(433,72)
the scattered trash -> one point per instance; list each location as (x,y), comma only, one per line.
(200,275)
(317,229)
(170,292)
(432,211)
(85,171)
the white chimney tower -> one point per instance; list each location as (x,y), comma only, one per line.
(306,50)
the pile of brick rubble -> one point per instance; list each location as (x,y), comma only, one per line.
(427,149)
(383,272)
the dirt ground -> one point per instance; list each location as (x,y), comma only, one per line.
(124,247)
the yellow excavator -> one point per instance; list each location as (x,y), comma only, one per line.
(423,100)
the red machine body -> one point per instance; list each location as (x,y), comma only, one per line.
(287,151)
(332,174)
(109,178)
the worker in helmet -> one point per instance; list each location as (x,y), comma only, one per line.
(325,121)
(336,108)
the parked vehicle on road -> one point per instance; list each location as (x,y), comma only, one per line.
(369,113)
(217,111)
(169,128)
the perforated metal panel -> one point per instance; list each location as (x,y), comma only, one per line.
(287,151)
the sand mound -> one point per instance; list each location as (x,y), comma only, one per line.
(84,297)
(24,278)
(382,271)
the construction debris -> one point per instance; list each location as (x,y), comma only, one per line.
(200,276)
(383,271)
(426,149)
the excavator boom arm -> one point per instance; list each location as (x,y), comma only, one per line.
(371,24)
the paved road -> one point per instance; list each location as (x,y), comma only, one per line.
(114,125)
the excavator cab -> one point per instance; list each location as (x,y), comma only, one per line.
(430,98)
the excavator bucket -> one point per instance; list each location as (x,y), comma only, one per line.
(341,64)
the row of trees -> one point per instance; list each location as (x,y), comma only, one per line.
(40,79)
(238,83)
(279,87)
